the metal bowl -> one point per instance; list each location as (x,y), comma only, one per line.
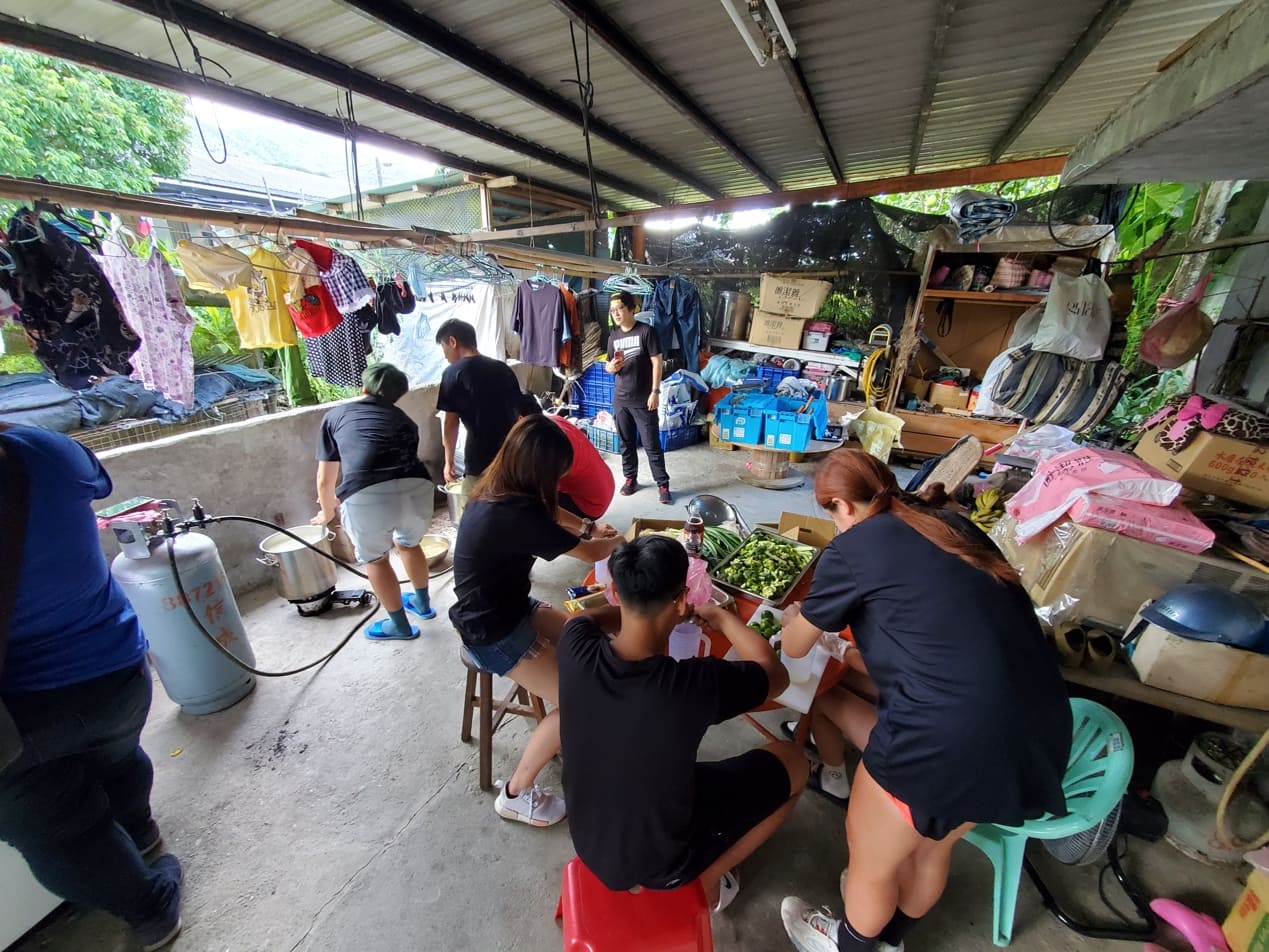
(435,548)
(779,597)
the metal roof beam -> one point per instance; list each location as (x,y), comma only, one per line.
(802,92)
(56,43)
(619,44)
(410,23)
(934,66)
(251,39)
(1101,24)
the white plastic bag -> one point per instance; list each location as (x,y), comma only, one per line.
(1076,320)
(986,406)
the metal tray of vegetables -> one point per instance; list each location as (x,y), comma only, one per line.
(767,566)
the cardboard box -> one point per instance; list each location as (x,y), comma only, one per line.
(807,529)
(1213,464)
(1108,576)
(792,297)
(1246,927)
(1202,669)
(640,525)
(949,395)
(772,330)
(917,386)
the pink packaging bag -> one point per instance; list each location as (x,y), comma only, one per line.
(1061,480)
(1173,526)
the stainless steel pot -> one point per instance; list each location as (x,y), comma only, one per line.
(455,501)
(836,388)
(301,575)
(732,310)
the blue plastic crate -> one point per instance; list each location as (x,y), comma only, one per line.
(606,441)
(596,389)
(786,429)
(741,418)
(680,437)
(772,375)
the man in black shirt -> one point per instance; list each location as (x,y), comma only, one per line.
(368,460)
(642,811)
(634,358)
(480,392)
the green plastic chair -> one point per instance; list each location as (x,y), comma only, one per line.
(1096,777)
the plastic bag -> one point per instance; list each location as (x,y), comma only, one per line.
(878,432)
(1180,332)
(1061,480)
(986,406)
(1076,321)
(1044,442)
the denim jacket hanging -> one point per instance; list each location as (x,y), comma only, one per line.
(676,303)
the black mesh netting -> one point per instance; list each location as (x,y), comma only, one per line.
(864,247)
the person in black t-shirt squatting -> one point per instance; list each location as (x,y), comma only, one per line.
(642,810)
(481,393)
(368,459)
(972,722)
(634,358)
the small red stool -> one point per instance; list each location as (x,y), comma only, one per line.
(596,919)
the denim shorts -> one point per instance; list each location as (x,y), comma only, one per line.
(499,657)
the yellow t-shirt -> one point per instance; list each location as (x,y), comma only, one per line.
(259,310)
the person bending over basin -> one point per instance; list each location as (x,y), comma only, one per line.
(644,811)
(511,520)
(972,722)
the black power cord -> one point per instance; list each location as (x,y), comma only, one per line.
(200,521)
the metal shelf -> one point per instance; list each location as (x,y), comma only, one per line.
(803,356)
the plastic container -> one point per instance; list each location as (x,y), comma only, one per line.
(772,375)
(815,340)
(596,386)
(606,441)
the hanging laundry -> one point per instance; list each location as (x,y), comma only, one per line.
(214,268)
(259,310)
(571,348)
(339,357)
(307,299)
(539,318)
(394,298)
(154,308)
(68,309)
(347,284)
(676,309)
(295,378)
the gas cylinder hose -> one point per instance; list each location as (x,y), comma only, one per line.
(1223,835)
(201,521)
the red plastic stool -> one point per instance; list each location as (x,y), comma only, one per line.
(596,919)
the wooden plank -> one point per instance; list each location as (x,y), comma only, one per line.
(983,297)
(940,424)
(1121,682)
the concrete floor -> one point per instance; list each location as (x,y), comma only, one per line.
(338,810)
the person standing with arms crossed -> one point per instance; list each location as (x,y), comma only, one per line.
(634,358)
(481,393)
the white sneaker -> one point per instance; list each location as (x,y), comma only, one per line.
(887,947)
(728,889)
(810,929)
(533,805)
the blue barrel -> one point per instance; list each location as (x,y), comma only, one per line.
(193,673)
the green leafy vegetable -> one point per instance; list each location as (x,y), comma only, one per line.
(765,624)
(766,565)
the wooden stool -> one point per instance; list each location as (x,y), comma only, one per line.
(518,702)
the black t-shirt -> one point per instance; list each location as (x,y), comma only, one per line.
(373,442)
(497,543)
(485,394)
(634,382)
(630,731)
(973,717)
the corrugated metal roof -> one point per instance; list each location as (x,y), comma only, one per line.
(865,65)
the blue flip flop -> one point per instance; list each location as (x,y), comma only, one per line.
(411,602)
(376,633)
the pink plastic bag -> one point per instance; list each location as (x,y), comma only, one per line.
(1060,481)
(1180,331)
(1173,526)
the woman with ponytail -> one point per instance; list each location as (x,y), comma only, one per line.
(971,724)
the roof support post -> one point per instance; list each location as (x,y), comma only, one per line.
(934,66)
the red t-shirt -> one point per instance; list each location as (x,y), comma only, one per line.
(589,482)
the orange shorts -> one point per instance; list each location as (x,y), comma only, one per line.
(904,809)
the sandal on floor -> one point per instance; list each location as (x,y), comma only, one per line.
(411,603)
(813,783)
(789,730)
(376,632)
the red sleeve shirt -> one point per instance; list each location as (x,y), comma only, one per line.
(589,482)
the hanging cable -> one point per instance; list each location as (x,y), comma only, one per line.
(199,60)
(351,132)
(586,96)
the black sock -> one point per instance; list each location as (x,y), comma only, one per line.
(848,940)
(897,928)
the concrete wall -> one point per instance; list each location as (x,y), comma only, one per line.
(263,467)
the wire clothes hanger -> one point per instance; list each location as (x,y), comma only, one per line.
(629,280)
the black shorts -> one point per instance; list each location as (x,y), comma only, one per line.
(732,797)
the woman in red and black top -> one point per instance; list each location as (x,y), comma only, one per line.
(972,722)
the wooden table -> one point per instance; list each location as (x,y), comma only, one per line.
(1122,682)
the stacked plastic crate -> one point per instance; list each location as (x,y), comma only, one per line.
(597,395)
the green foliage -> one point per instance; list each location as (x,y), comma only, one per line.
(848,316)
(1143,400)
(1153,210)
(215,336)
(20,364)
(80,126)
(938,201)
